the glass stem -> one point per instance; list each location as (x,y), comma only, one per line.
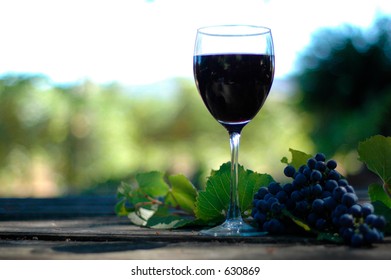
(234,209)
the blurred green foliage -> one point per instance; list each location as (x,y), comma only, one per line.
(58,140)
(345,84)
(86,138)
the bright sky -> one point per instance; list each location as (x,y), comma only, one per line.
(139,41)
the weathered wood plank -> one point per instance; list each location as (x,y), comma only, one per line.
(119,229)
(87,228)
(37,249)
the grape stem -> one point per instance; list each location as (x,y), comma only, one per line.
(150,202)
(387,189)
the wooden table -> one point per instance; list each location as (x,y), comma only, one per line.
(87,228)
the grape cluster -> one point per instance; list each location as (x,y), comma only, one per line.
(320,197)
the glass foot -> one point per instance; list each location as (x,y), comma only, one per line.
(233,228)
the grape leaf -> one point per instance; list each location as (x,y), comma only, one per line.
(385,211)
(152,183)
(296,220)
(154,203)
(381,202)
(178,208)
(332,237)
(123,190)
(140,216)
(122,207)
(321,235)
(298,158)
(164,218)
(375,152)
(167,222)
(249,184)
(377,193)
(150,187)
(212,203)
(182,193)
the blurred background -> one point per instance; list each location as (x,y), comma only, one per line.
(92,92)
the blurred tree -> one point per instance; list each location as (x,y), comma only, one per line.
(345,80)
(57,140)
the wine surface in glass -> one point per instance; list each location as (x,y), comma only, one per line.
(233,86)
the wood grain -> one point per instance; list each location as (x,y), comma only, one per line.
(87,228)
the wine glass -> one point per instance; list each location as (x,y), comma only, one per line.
(233,70)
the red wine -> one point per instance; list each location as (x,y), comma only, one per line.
(234,86)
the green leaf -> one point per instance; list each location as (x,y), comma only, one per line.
(163,218)
(152,183)
(249,184)
(332,237)
(296,220)
(298,158)
(140,216)
(182,193)
(375,152)
(377,193)
(121,209)
(123,194)
(136,219)
(135,201)
(143,202)
(383,210)
(212,203)
(169,222)
(123,190)
(138,198)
